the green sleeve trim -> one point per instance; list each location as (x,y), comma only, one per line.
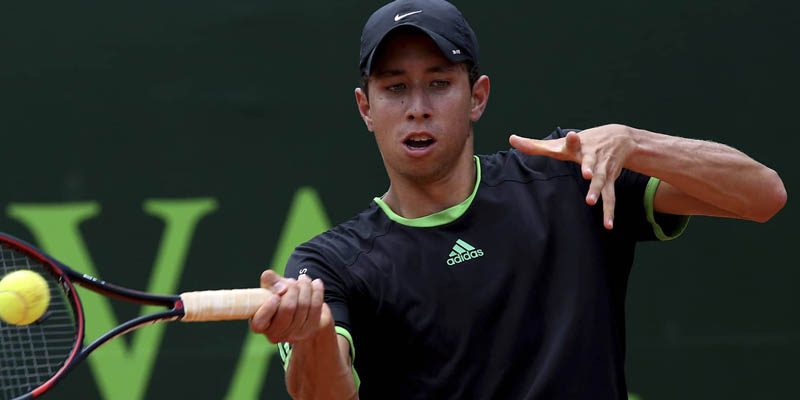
(285,350)
(440,218)
(649,196)
(346,335)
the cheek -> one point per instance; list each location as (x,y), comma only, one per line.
(385,113)
(456,109)
(384,120)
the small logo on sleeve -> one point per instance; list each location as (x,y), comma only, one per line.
(463,251)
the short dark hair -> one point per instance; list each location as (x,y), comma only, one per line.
(473,73)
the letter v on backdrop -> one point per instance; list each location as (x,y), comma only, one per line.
(123,371)
(120,372)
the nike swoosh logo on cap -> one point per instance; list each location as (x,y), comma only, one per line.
(398,17)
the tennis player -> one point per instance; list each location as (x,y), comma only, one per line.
(499,276)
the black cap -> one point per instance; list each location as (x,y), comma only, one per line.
(437,18)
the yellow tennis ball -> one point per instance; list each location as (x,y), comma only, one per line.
(24,297)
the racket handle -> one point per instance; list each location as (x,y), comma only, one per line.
(222,305)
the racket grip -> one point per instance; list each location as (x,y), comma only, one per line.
(222,305)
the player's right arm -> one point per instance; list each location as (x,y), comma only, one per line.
(319,366)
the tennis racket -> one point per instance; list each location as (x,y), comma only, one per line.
(33,358)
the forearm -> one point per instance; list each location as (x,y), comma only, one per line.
(319,370)
(710,172)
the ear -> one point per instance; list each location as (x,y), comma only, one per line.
(480,96)
(363,108)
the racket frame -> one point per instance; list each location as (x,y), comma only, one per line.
(65,277)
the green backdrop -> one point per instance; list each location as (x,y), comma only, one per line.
(184,145)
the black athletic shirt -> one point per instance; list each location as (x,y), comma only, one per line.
(516,293)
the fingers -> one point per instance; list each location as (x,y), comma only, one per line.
(525,145)
(274,282)
(285,314)
(294,315)
(326,316)
(609,202)
(566,149)
(573,143)
(602,184)
(602,174)
(302,309)
(550,148)
(588,164)
(261,320)
(595,186)
(315,311)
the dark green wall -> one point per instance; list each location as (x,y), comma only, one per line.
(247,101)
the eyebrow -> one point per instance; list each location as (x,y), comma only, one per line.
(395,72)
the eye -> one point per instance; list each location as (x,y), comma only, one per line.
(396,87)
(439,83)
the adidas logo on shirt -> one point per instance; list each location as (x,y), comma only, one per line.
(462,251)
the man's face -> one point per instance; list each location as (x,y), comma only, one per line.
(420,108)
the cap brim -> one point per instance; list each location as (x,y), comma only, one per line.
(447,47)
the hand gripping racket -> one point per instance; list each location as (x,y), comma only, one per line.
(35,357)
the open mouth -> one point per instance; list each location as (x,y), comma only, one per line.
(419,142)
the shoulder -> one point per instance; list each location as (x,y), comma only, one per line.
(513,165)
(341,246)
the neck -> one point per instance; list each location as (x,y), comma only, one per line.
(412,199)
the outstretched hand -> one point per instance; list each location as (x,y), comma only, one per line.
(602,152)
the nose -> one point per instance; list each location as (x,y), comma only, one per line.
(419,106)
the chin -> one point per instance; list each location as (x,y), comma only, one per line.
(423,172)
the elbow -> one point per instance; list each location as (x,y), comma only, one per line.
(771,200)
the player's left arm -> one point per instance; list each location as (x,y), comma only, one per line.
(697,177)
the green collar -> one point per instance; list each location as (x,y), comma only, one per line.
(441,217)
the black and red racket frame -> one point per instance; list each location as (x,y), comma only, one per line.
(66,277)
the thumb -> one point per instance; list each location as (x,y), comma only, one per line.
(535,147)
(274,282)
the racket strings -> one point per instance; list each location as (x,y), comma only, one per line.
(31,354)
